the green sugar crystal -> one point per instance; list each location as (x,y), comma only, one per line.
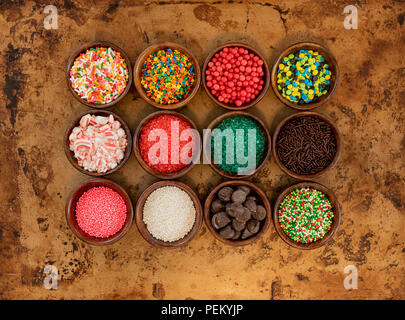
(238,146)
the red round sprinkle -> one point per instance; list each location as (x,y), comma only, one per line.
(101,212)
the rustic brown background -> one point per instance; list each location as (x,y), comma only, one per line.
(36,106)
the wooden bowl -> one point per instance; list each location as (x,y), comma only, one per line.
(76,123)
(333,67)
(323,171)
(145,166)
(82,48)
(138,70)
(336,215)
(266,78)
(207,144)
(70,211)
(142,227)
(255,189)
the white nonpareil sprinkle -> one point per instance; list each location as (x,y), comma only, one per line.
(169,213)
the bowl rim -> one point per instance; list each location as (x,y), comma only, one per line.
(138,67)
(75,122)
(266,73)
(230,114)
(98,43)
(336,132)
(328,56)
(144,165)
(70,211)
(142,227)
(258,191)
(337,217)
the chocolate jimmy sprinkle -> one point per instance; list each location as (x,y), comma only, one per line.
(306,145)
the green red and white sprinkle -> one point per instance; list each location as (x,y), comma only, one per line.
(305,215)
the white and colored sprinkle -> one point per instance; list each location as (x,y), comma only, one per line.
(99,75)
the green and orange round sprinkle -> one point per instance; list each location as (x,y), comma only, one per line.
(305,215)
(99,75)
(167,76)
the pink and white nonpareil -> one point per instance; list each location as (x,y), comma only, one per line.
(98,143)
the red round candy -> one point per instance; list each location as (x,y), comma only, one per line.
(234,75)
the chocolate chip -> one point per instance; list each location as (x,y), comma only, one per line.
(234,209)
(253,226)
(244,216)
(246,234)
(220,220)
(260,213)
(237,235)
(239,196)
(251,205)
(225,194)
(245,189)
(237,212)
(238,225)
(217,206)
(227,232)
(253,198)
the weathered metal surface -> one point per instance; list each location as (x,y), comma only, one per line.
(36,106)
